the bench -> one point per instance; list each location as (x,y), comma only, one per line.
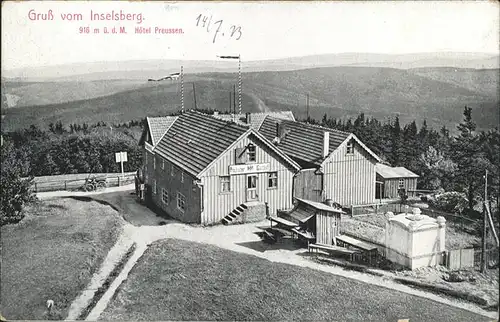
(330,249)
(269,236)
(274,234)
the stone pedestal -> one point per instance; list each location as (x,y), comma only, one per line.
(415,240)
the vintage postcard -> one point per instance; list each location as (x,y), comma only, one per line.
(250,161)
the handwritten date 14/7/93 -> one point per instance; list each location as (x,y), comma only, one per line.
(217,28)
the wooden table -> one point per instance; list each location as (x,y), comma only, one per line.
(330,249)
(282,222)
(369,250)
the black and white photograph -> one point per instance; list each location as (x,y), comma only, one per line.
(250,161)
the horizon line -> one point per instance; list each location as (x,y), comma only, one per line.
(492,55)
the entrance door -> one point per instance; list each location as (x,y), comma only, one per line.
(252,188)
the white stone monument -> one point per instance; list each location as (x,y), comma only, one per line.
(415,240)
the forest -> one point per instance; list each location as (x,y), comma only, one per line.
(443,161)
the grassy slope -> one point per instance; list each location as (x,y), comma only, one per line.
(438,95)
(52,254)
(179,280)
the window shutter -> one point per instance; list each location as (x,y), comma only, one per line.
(239,156)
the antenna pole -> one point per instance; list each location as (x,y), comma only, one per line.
(234,98)
(485,227)
(194,94)
(182,89)
(307,107)
(239,82)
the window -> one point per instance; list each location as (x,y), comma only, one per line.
(164,196)
(401,183)
(251,153)
(154,186)
(172,170)
(350,147)
(240,156)
(182,176)
(181,202)
(225,184)
(154,162)
(146,158)
(162,164)
(273,180)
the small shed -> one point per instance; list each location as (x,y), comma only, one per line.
(391,179)
(320,220)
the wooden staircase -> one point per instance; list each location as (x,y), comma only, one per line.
(234,216)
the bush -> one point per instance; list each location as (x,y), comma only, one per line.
(15,192)
(449,201)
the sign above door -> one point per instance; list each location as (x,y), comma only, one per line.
(249,168)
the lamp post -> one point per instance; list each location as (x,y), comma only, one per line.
(239,77)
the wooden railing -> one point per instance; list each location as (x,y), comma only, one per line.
(379,207)
(76,181)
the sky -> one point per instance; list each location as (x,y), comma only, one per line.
(268,30)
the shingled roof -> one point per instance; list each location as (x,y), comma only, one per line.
(256,119)
(302,141)
(195,140)
(159,126)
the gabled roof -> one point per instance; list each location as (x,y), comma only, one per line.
(256,119)
(196,140)
(302,141)
(388,172)
(159,126)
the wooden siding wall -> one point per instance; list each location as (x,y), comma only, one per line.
(308,185)
(349,179)
(217,205)
(173,184)
(327,227)
(391,186)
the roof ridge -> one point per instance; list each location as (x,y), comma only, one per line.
(215,118)
(312,125)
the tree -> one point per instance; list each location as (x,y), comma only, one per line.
(471,161)
(15,191)
(436,170)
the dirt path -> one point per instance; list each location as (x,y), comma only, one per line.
(238,238)
(242,239)
(258,102)
(112,259)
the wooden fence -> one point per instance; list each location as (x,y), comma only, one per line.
(459,258)
(76,181)
(376,208)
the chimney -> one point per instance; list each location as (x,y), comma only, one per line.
(248,118)
(326,144)
(216,113)
(278,128)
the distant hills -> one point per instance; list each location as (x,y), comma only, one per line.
(120,92)
(160,68)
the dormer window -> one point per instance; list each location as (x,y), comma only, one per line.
(350,147)
(251,152)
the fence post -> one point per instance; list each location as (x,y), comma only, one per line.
(352,211)
(36,189)
(65,186)
(118,181)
